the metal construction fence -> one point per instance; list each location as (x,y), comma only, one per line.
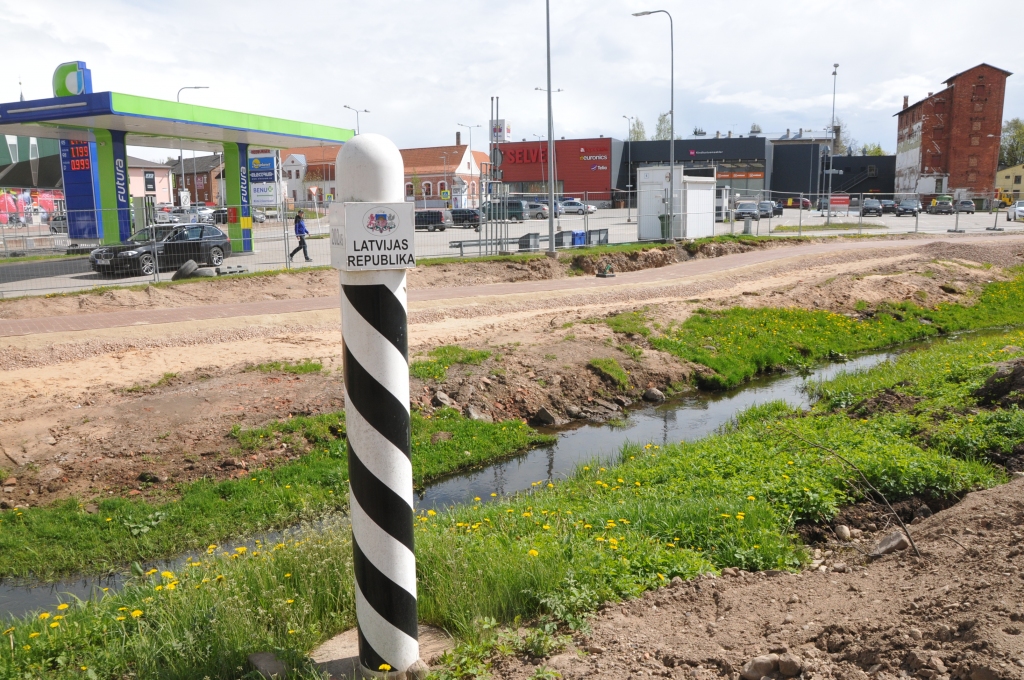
(37,256)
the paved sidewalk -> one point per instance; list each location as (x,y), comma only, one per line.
(83,322)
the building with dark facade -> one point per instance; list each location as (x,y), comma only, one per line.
(949,141)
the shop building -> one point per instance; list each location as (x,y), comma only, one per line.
(147,179)
(948,143)
(583,168)
(1009,181)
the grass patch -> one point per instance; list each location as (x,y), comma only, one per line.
(829,227)
(611,370)
(297,368)
(213,280)
(165,379)
(752,341)
(630,323)
(444,357)
(61,539)
(40,258)
(606,533)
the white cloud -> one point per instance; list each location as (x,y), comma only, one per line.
(422,66)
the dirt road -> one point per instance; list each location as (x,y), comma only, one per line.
(86,411)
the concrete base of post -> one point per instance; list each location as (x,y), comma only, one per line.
(552,254)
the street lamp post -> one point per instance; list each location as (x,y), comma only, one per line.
(832,146)
(629,163)
(358,111)
(672,115)
(472,161)
(551,141)
(181,146)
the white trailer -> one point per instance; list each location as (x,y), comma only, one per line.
(694,204)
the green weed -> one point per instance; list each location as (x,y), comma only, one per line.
(444,357)
(611,370)
(752,341)
(296,368)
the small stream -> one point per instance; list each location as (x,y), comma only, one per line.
(681,419)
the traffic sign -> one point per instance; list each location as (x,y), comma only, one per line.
(497,157)
(445,194)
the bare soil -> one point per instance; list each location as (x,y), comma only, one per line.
(84,414)
(956,612)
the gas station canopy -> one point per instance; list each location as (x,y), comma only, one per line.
(158,123)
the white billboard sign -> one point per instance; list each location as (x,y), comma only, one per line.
(263,194)
(372,236)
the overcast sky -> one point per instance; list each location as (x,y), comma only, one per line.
(422,66)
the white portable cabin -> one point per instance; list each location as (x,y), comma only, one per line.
(694,199)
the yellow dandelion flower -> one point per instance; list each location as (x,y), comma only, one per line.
(27,647)
(55,624)
(288,575)
(62,607)
(166,574)
(136,613)
(476,498)
(121,618)
(545,527)
(386,667)
(750,498)
(532,552)
(33,635)
(44,616)
(289,601)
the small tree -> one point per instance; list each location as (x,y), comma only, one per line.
(637,133)
(1011,148)
(874,149)
(663,129)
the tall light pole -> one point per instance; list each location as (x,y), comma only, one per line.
(629,163)
(181,147)
(551,140)
(672,115)
(358,111)
(832,146)
(472,161)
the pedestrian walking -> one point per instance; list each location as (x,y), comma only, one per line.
(300,233)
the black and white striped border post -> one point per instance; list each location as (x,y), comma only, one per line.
(371,243)
(376,369)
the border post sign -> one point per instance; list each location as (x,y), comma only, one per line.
(372,232)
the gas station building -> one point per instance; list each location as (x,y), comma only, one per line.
(94,129)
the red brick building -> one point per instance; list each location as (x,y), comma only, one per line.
(948,143)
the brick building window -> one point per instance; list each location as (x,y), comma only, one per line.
(972,177)
(428,189)
(975,141)
(1016,179)
(408,189)
(979,107)
(976,125)
(972,161)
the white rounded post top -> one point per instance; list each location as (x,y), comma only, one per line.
(369,168)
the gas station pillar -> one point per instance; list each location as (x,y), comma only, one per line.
(236,189)
(112,202)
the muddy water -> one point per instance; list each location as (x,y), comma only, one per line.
(683,419)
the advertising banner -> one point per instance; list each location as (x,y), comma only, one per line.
(264,194)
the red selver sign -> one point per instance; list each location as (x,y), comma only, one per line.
(840,199)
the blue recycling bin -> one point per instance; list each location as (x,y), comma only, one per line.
(579,238)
